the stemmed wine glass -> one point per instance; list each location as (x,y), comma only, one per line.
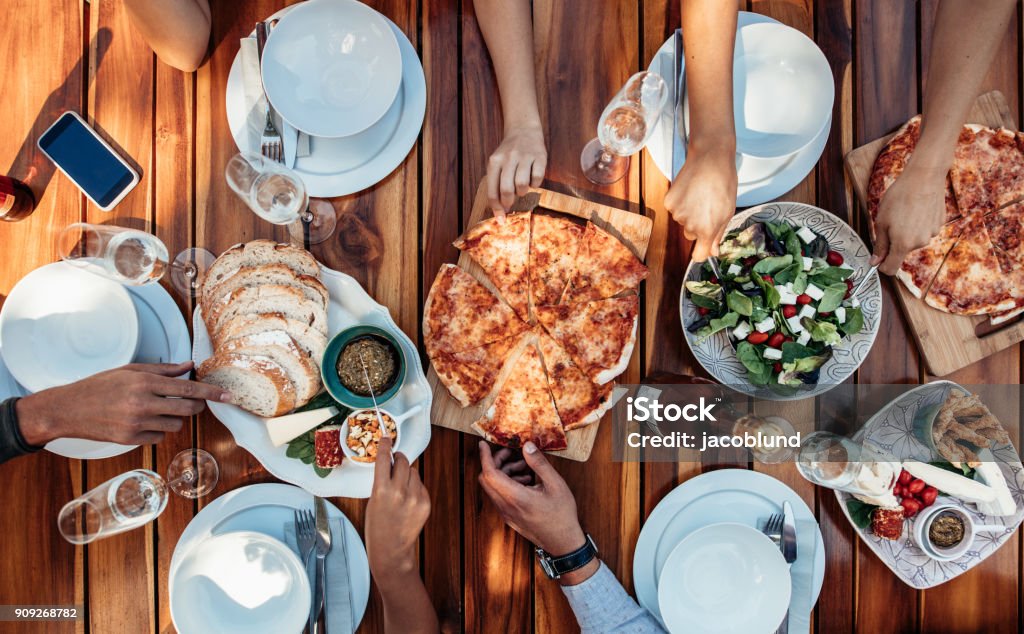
(131,257)
(136,498)
(624,128)
(277,194)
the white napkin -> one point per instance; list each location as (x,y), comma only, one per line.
(801,575)
(339,604)
(256,106)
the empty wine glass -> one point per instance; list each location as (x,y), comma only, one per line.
(624,128)
(277,194)
(131,256)
(192,473)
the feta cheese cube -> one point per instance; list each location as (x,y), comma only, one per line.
(815,292)
(765,325)
(741,330)
(841,315)
(748,286)
(807,311)
(786,296)
(789,285)
(803,338)
(806,235)
(854,302)
(773,353)
(794,324)
(734,269)
(808,263)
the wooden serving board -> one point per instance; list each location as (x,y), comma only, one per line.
(633,229)
(947,342)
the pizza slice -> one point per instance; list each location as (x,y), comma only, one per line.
(553,248)
(598,336)
(470,375)
(970,281)
(523,410)
(920,266)
(579,400)
(501,246)
(461,314)
(988,168)
(1006,228)
(604,267)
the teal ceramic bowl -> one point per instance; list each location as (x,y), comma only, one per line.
(329,373)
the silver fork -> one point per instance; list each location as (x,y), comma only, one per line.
(773,529)
(305,537)
(270,140)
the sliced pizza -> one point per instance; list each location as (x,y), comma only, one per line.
(970,281)
(501,246)
(470,375)
(599,335)
(579,400)
(988,168)
(553,248)
(1006,228)
(920,266)
(461,314)
(523,409)
(604,267)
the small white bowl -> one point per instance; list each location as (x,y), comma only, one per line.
(61,323)
(923,523)
(724,578)
(332,68)
(241,581)
(395,446)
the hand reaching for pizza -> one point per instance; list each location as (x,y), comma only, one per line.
(911,212)
(396,513)
(702,199)
(518,163)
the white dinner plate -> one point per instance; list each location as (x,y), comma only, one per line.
(724,578)
(242,582)
(350,305)
(342,166)
(726,495)
(267,509)
(760,179)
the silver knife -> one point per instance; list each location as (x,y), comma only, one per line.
(323,547)
(788,546)
(678,143)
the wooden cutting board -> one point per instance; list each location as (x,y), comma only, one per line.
(633,229)
(947,342)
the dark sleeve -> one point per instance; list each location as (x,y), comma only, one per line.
(12,443)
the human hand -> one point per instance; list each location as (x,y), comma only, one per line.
(129,405)
(518,163)
(395,515)
(911,212)
(702,199)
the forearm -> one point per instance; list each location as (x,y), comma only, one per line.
(602,605)
(709,34)
(964,43)
(12,441)
(178,31)
(407,606)
(507,27)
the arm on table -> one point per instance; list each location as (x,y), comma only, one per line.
(178,31)
(966,38)
(521,159)
(545,513)
(702,197)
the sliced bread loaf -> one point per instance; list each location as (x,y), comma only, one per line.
(309,340)
(257,383)
(278,346)
(272,298)
(255,253)
(263,274)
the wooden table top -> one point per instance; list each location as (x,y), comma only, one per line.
(66,54)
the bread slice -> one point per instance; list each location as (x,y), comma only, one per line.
(272,298)
(264,274)
(309,340)
(257,384)
(281,348)
(255,253)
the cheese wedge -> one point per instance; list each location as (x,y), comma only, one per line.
(991,475)
(285,428)
(950,483)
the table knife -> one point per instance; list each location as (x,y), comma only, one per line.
(678,143)
(323,547)
(787,543)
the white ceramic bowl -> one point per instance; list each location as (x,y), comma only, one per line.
(240,582)
(332,68)
(724,578)
(783,90)
(396,446)
(61,323)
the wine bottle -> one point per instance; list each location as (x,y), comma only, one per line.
(16,199)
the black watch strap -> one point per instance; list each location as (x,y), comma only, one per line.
(555,567)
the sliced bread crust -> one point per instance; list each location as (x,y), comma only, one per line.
(309,340)
(272,298)
(263,274)
(278,346)
(255,253)
(258,384)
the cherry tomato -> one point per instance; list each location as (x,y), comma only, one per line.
(905,477)
(928,495)
(702,311)
(910,507)
(849,288)
(898,490)
(777,367)
(803,299)
(788,310)
(768,278)
(833,258)
(916,486)
(714,280)
(757,337)
(787,339)
(775,341)
(824,314)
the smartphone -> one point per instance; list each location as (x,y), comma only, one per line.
(88,160)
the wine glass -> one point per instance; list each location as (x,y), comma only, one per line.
(192,473)
(131,257)
(277,194)
(624,128)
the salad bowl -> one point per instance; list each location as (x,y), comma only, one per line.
(790,338)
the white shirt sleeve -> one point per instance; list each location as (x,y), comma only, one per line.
(602,605)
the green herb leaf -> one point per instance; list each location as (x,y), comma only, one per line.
(307,459)
(323,473)
(758,370)
(821,331)
(793,246)
(788,274)
(800,282)
(729,320)
(832,298)
(791,351)
(771,294)
(963,469)
(828,275)
(705,289)
(769,265)
(740,303)
(854,321)
(860,512)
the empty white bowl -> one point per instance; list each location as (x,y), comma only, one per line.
(61,323)
(240,582)
(332,68)
(724,578)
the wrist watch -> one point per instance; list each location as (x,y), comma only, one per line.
(554,567)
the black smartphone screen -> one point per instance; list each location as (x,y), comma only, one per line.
(88,162)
